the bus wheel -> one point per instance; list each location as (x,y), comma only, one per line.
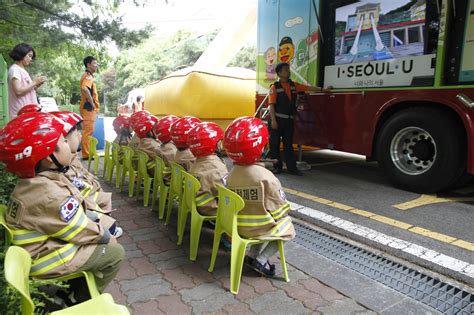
(422,150)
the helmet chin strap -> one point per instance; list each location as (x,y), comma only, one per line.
(61,168)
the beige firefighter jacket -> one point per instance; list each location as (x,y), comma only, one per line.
(153,149)
(209,170)
(89,186)
(122,140)
(185,158)
(47,217)
(134,142)
(265,214)
(168,153)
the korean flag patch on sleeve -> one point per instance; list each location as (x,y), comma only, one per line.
(69,209)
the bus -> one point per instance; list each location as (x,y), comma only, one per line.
(402,79)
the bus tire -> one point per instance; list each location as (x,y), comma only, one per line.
(422,150)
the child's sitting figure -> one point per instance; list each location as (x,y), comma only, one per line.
(204,141)
(137,116)
(148,144)
(179,134)
(98,201)
(265,214)
(122,128)
(46,212)
(167,147)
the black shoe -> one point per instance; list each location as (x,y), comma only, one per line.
(248,260)
(277,171)
(267,269)
(295,172)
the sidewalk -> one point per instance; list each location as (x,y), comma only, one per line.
(158,278)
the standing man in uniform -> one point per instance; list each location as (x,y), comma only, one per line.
(282,101)
(89,103)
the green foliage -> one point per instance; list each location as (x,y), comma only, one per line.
(62,38)
(7,184)
(151,61)
(246,58)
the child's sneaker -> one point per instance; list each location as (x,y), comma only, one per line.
(118,232)
(267,269)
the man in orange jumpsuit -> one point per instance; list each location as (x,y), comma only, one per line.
(89,103)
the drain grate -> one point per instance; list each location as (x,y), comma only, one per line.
(420,287)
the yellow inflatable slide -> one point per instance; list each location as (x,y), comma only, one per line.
(217,94)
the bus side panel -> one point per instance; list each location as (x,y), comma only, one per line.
(348,121)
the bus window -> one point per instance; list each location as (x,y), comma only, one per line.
(380,44)
(460,44)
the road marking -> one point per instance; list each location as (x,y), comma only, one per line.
(411,248)
(386,220)
(424,200)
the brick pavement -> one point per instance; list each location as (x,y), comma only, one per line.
(158,278)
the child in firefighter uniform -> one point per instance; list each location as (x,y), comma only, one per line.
(136,117)
(97,201)
(148,144)
(45,211)
(123,130)
(179,134)
(208,168)
(265,214)
(167,148)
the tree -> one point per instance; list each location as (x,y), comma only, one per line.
(62,38)
(246,58)
(154,59)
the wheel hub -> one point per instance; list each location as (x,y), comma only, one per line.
(413,150)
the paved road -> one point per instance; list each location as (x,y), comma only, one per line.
(346,184)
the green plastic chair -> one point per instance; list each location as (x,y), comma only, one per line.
(115,164)
(226,222)
(107,157)
(159,186)
(188,206)
(94,154)
(142,175)
(128,169)
(176,188)
(90,280)
(17,268)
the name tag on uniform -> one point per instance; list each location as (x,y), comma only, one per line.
(69,209)
(250,194)
(78,183)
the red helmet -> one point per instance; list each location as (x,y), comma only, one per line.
(69,119)
(30,108)
(245,139)
(162,128)
(143,126)
(180,130)
(121,123)
(28,139)
(203,138)
(138,116)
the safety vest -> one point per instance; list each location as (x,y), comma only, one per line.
(46,216)
(283,104)
(265,214)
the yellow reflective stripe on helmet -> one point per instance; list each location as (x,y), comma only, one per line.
(53,259)
(254,219)
(22,237)
(77,224)
(281,227)
(278,213)
(203,199)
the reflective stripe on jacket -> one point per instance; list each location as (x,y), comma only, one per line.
(265,214)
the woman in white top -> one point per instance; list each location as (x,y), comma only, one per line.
(21,89)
